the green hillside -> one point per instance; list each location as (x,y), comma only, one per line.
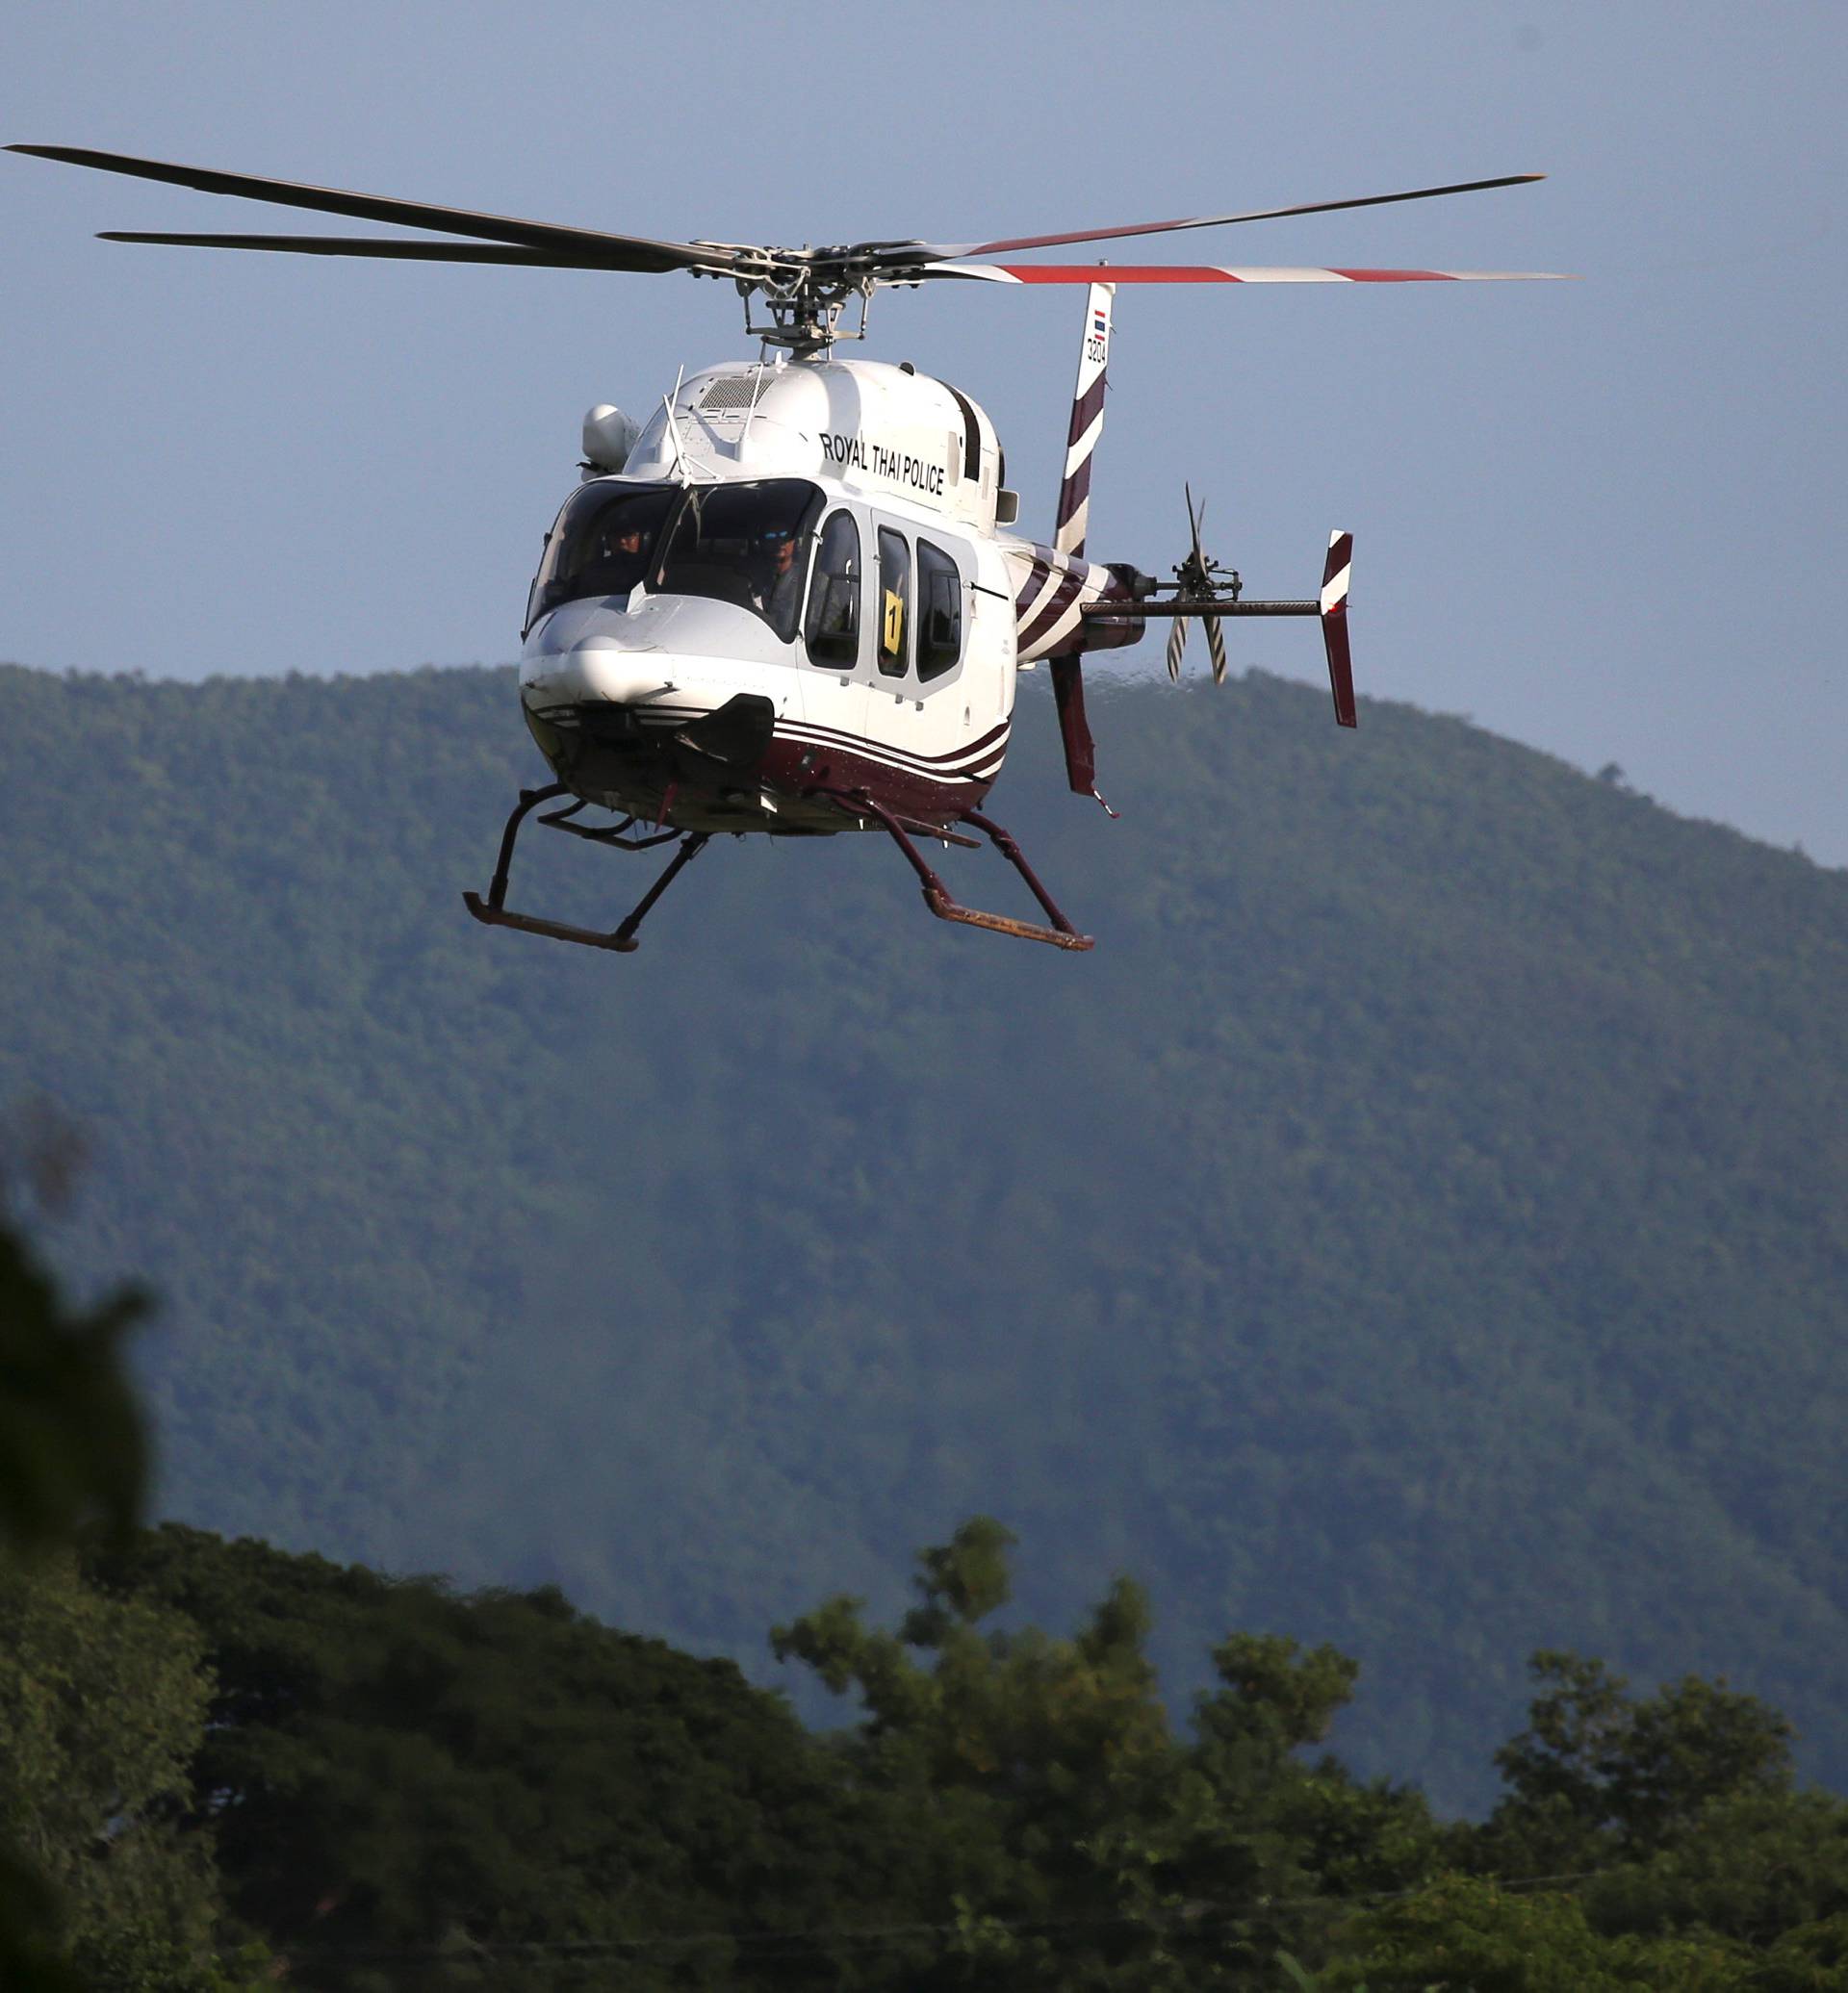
(1418,1226)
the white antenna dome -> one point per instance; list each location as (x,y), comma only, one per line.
(609,435)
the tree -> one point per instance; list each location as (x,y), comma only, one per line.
(402,1780)
(1674,1821)
(72,1446)
(1755,1866)
(102,1710)
(72,1449)
(1598,1774)
(102,1704)
(1463,1935)
(1347,1835)
(1096,1849)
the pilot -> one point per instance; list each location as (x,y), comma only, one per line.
(625,554)
(777,590)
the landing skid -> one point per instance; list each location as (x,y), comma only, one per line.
(493,910)
(1061,934)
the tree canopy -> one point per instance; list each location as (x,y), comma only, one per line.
(405,1786)
(102,1700)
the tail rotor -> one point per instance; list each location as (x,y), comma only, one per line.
(1197,583)
(1203,587)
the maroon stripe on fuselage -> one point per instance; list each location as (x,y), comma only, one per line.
(937,800)
(830,737)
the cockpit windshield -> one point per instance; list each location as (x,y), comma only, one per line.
(743,543)
(746,543)
(603,544)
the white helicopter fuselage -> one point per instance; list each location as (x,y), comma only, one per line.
(682,676)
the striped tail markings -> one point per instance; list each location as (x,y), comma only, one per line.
(1333,606)
(1087,424)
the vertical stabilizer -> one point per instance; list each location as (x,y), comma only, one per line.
(1332,603)
(1086,423)
(1068,529)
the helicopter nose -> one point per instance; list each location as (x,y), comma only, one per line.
(605,668)
(595,667)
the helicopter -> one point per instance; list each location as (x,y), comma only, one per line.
(789,602)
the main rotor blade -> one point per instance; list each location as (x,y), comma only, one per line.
(619,252)
(1216,273)
(377,245)
(942,253)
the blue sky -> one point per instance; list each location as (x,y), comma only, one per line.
(1603,518)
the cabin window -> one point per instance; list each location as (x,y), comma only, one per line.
(746,543)
(832,627)
(602,545)
(894,602)
(939,609)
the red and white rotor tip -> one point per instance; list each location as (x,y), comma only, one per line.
(1333,606)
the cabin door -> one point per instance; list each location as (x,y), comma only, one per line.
(838,633)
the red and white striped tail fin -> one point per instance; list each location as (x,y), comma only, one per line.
(1086,423)
(1333,607)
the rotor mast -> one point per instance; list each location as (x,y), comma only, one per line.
(805,311)
(806,291)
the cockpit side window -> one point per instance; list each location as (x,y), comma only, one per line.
(602,545)
(939,611)
(894,602)
(746,543)
(833,626)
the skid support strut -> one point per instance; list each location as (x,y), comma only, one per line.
(1062,934)
(493,911)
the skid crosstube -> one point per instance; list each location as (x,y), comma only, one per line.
(493,911)
(936,896)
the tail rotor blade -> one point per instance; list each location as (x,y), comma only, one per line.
(1176,644)
(1215,647)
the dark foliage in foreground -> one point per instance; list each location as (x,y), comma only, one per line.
(406,1788)
(73,1451)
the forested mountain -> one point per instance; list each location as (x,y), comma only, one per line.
(1418,1225)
